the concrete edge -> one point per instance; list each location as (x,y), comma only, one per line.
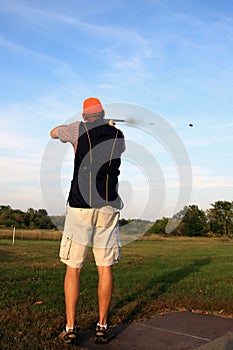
(223,343)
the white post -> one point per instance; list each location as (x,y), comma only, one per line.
(13,238)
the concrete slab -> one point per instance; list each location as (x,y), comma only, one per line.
(222,343)
(173,331)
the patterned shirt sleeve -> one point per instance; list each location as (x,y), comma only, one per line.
(68,133)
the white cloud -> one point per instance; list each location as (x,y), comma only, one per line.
(22,197)
(117,34)
(19,170)
(208,140)
(124,50)
(202,178)
(182,60)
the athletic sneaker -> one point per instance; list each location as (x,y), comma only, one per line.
(70,337)
(103,336)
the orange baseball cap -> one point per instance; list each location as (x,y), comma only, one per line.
(92,105)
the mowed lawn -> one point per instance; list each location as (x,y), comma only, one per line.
(153,277)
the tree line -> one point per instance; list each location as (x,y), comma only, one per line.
(192,221)
(31,219)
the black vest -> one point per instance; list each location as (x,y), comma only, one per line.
(96,166)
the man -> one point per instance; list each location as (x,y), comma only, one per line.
(92,214)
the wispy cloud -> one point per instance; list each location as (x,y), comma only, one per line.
(211,140)
(39,56)
(27,170)
(124,50)
(117,34)
(203,178)
(170,57)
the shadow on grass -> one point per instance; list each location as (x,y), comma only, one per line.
(140,298)
(7,256)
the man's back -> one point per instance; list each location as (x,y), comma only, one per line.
(96,167)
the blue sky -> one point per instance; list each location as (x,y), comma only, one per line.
(173,57)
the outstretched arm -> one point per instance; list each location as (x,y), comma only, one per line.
(66,133)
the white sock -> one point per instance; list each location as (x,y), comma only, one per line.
(105,326)
(69,329)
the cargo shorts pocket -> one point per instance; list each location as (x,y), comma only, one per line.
(65,246)
(107,217)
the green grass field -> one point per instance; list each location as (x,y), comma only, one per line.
(154,276)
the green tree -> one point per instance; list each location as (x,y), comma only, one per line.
(220,218)
(195,222)
(179,229)
(42,220)
(192,221)
(159,227)
(31,219)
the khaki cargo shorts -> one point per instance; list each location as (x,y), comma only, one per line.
(96,228)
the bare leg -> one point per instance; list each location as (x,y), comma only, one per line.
(71,288)
(104,292)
